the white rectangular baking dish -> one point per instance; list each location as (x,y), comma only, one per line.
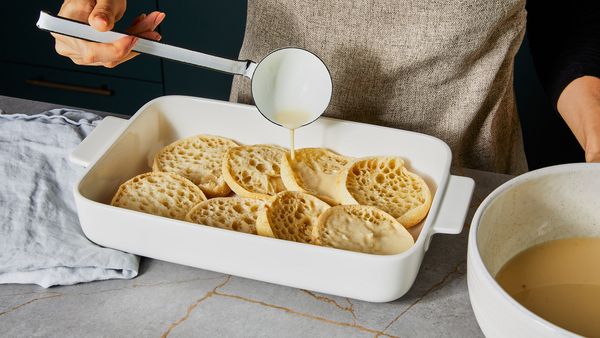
(119,149)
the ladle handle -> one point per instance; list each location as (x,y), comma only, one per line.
(55,24)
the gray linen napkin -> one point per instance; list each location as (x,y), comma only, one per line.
(41,241)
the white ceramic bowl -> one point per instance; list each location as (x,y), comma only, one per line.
(551,203)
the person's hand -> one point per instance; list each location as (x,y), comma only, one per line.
(579,105)
(592,152)
(102,15)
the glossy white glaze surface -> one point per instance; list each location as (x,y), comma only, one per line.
(367,277)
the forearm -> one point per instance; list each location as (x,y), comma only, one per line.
(579,105)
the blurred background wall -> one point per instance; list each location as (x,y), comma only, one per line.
(31,69)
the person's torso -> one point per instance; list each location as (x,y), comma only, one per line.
(443,68)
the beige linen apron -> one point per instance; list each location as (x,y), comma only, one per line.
(439,67)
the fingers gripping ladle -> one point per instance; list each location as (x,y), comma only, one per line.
(291,86)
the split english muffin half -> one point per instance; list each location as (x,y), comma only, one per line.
(232,213)
(362,228)
(384,182)
(314,171)
(199,159)
(159,193)
(291,215)
(254,171)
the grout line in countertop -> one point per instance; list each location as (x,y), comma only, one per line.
(354,318)
(442,282)
(142,285)
(48,295)
(191,308)
(304,314)
(332,301)
(146,285)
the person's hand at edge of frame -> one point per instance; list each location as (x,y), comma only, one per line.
(579,105)
(102,15)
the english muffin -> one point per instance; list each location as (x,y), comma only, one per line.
(362,228)
(314,171)
(233,213)
(292,216)
(159,193)
(199,159)
(254,171)
(384,182)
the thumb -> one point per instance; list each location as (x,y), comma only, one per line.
(103,15)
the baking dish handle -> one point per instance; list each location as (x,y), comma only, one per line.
(454,206)
(98,141)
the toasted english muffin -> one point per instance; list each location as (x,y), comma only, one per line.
(199,159)
(362,228)
(159,193)
(314,171)
(233,213)
(385,183)
(292,216)
(254,171)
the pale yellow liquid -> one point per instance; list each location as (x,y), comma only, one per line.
(318,182)
(559,281)
(291,121)
(292,147)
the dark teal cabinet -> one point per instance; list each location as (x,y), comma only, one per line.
(215,27)
(30,68)
(25,44)
(79,89)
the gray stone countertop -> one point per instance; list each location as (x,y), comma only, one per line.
(173,300)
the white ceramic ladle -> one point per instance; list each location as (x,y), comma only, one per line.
(291,87)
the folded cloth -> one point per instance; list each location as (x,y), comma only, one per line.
(41,241)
